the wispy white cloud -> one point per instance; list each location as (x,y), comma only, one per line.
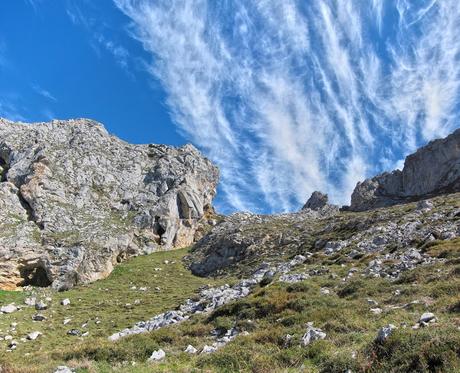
(43,92)
(288,97)
(119,52)
(10,111)
(98,39)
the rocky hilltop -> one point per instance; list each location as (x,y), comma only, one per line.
(432,170)
(75,200)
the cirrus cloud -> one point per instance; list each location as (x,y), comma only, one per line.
(289,97)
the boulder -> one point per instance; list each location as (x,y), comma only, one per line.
(65,302)
(432,170)
(427,317)
(33,336)
(10,308)
(316,201)
(190,350)
(384,333)
(157,355)
(312,334)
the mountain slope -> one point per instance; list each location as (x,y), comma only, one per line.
(75,201)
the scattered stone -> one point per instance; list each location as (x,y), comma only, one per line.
(424,205)
(427,317)
(372,302)
(10,308)
(384,333)
(33,336)
(63,369)
(30,301)
(41,306)
(208,349)
(267,278)
(38,317)
(74,332)
(312,334)
(65,302)
(157,355)
(293,278)
(191,350)
(376,311)
(324,291)
(66,321)
(287,341)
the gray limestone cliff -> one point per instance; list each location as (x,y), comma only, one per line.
(432,170)
(75,200)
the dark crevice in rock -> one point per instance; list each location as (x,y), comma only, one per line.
(29,210)
(35,276)
(158,229)
(4,167)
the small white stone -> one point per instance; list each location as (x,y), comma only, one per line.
(208,349)
(385,332)
(66,321)
(65,302)
(30,301)
(376,311)
(10,308)
(427,317)
(157,355)
(33,336)
(191,350)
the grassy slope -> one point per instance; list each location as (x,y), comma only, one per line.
(105,300)
(268,315)
(272,312)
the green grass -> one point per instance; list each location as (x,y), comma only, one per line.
(268,315)
(278,309)
(103,300)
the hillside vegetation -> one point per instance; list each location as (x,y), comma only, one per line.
(342,294)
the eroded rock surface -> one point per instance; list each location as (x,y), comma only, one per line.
(75,200)
(432,170)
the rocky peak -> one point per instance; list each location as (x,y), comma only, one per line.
(75,200)
(316,201)
(432,170)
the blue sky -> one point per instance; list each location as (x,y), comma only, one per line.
(286,97)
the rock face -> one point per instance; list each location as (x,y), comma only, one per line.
(432,170)
(317,201)
(75,200)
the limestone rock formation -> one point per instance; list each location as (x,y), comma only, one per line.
(432,170)
(75,200)
(316,201)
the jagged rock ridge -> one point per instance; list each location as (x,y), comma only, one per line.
(74,200)
(242,239)
(432,170)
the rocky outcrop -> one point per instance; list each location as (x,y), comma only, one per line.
(75,200)
(316,201)
(432,170)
